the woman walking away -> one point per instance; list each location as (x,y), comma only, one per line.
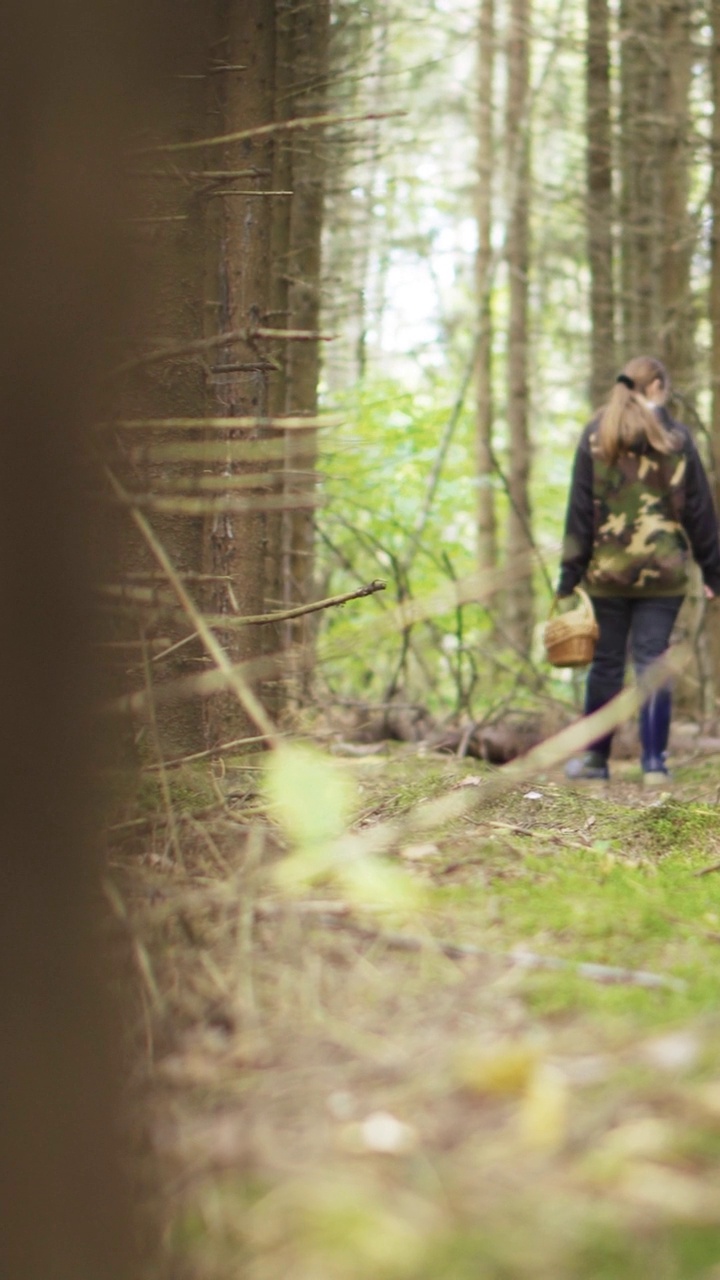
(639,504)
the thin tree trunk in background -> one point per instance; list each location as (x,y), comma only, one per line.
(357,65)
(639,178)
(240,546)
(600,201)
(677,312)
(714,299)
(279,212)
(282,180)
(310,46)
(486,515)
(342,303)
(519,612)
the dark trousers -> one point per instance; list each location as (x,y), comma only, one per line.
(647,624)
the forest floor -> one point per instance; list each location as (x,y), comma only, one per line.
(336,1089)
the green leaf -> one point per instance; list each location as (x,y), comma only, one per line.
(310,797)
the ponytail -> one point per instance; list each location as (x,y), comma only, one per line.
(625,420)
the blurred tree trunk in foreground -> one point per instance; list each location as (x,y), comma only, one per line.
(65,89)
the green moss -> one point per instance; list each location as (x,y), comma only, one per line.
(190,788)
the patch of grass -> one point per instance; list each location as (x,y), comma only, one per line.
(190,789)
(272,1037)
(594,905)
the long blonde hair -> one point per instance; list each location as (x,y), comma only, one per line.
(625,420)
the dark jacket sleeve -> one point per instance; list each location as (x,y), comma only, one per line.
(700,519)
(579,520)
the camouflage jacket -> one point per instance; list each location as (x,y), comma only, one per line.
(631,527)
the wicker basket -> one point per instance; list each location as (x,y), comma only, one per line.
(570,638)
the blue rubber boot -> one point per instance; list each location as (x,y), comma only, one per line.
(654,734)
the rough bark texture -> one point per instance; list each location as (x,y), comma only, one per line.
(519,599)
(242,548)
(486,515)
(600,201)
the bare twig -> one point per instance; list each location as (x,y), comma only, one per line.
(330,602)
(185,174)
(705,871)
(197,345)
(238,191)
(226,424)
(264,130)
(204,755)
(189,505)
(184,349)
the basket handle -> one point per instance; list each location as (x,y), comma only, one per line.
(585,601)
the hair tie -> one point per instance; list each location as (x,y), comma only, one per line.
(627,382)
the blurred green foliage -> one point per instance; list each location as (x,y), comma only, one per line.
(378,521)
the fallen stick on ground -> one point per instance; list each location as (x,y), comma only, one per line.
(604,973)
(705,871)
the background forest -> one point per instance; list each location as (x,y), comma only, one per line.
(456,230)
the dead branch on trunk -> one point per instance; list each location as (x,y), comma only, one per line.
(278,126)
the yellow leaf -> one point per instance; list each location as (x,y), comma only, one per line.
(543,1114)
(504,1068)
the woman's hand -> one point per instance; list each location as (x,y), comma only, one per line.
(709,593)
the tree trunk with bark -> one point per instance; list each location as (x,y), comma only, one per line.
(519,610)
(714,300)
(599,204)
(243,547)
(677,309)
(484,274)
(310,45)
(639,178)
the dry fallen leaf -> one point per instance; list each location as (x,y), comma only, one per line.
(418,852)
